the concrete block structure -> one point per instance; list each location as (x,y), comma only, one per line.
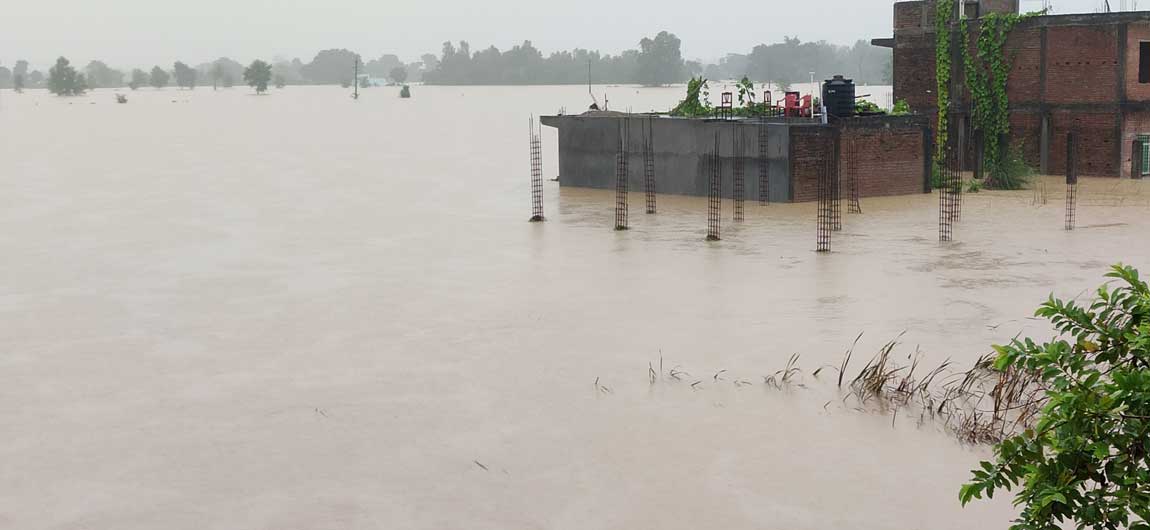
(1083,73)
(892,153)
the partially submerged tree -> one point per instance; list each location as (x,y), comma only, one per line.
(185,75)
(661,60)
(258,75)
(100,75)
(139,79)
(63,80)
(159,78)
(19,75)
(398,75)
(1087,459)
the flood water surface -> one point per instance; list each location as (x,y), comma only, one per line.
(299,311)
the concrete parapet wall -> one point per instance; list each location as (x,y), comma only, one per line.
(588,144)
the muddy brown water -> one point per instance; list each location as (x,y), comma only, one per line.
(221,311)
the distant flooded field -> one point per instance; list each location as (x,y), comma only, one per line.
(301,311)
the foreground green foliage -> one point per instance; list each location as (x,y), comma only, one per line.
(1086,461)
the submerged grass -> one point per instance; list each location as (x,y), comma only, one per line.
(981,405)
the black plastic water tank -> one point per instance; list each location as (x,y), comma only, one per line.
(839,97)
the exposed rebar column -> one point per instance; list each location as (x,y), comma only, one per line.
(764,165)
(836,183)
(649,164)
(714,167)
(1071,179)
(852,163)
(947,197)
(536,170)
(737,161)
(825,216)
(954,164)
(621,174)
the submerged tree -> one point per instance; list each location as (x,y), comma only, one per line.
(185,75)
(660,60)
(159,77)
(1087,459)
(63,80)
(19,75)
(100,75)
(258,75)
(398,75)
(139,79)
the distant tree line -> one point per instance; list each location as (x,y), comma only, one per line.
(657,60)
(792,61)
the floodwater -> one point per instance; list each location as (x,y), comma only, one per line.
(299,311)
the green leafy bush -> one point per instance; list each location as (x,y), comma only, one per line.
(696,103)
(1012,173)
(901,108)
(1086,460)
(864,106)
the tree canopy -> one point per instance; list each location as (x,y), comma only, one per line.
(100,75)
(398,75)
(258,75)
(185,75)
(139,79)
(159,77)
(1087,459)
(331,67)
(792,61)
(63,80)
(524,64)
(660,60)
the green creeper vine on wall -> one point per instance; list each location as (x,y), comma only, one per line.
(944,12)
(986,74)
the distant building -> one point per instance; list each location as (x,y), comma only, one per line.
(1086,73)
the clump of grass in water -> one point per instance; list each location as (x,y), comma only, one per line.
(980,405)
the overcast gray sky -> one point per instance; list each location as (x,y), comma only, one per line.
(129,33)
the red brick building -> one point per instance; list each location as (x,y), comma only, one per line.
(1086,73)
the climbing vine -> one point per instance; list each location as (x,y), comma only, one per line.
(944,12)
(987,71)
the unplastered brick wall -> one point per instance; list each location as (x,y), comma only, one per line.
(810,147)
(908,15)
(1082,64)
(1026,135)
(888,161)
(914,71)
(1136,34)
(1025,81)
(1097,137)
